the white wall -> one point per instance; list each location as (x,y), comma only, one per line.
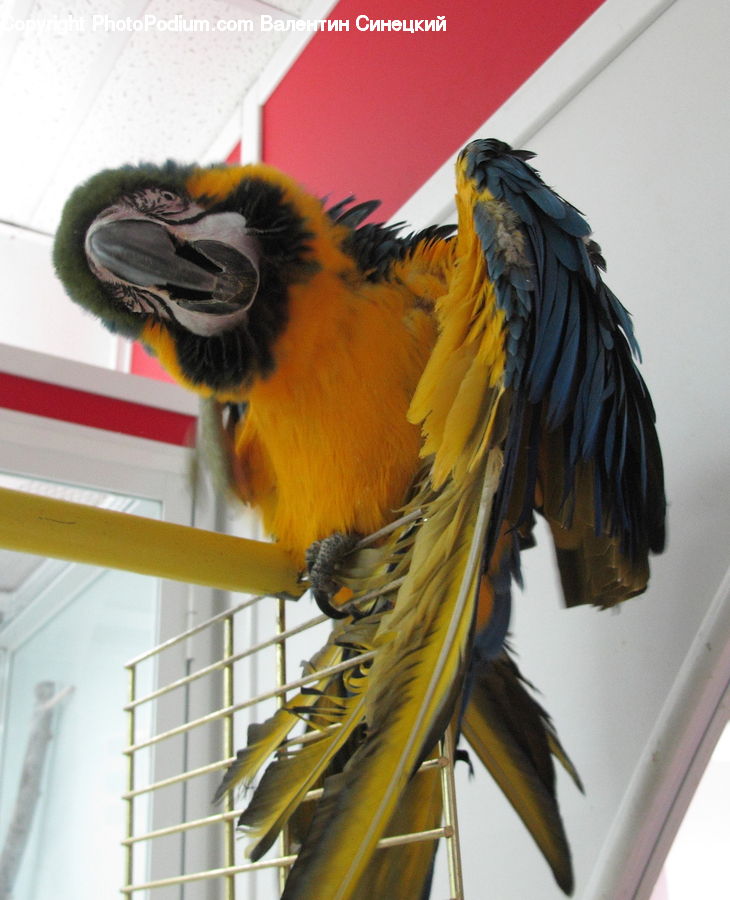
(35,312)
(642,149)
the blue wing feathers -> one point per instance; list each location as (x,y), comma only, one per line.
(550,325)
(570,346)
(593,399)
(562,384)
(597,502)
(617,309)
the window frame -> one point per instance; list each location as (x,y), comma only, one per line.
(106,457)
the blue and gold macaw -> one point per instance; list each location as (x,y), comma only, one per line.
(438,389)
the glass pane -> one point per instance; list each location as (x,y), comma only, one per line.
(72,639)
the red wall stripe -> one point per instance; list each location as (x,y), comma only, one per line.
(53,401)
(376,113)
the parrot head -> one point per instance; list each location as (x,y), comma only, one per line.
(193,262)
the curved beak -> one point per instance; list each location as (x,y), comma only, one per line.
(208,267)
(143,253)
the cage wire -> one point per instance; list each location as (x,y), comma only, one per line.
(162,725)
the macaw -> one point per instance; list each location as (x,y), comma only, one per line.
(431,390)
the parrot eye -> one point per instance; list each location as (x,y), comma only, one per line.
(159,204)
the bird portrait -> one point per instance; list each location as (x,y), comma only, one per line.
(399,407)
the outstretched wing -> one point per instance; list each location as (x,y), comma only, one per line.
(580,443)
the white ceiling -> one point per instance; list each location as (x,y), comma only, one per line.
(77,95)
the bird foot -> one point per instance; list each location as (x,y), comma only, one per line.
(322,558)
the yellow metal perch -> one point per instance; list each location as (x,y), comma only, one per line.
(50,527)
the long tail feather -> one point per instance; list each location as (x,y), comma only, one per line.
(514,738)
(412,687)
(411,864)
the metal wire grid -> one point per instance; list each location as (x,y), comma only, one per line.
(143,787)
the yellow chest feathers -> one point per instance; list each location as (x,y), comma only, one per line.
(326,445)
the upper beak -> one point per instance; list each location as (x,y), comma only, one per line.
(211,268)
